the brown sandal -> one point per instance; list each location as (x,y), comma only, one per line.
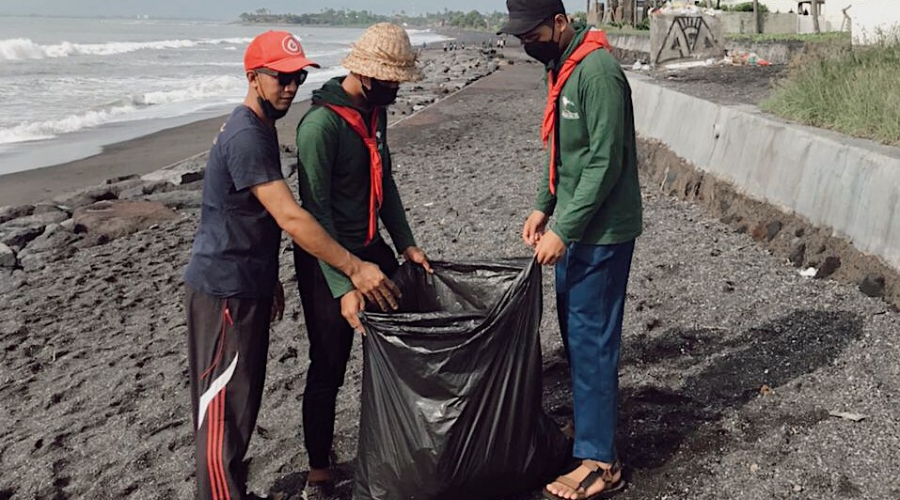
(612,486)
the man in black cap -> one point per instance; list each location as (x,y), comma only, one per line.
(591,183)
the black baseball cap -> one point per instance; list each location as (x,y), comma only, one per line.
(526,15)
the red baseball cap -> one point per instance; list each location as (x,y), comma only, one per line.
(276,50)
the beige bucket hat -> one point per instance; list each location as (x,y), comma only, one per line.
(383,52)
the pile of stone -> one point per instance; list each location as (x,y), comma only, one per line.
(33,235)
(445,73)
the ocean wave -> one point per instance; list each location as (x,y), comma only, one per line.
(192,91)
(190,97)
(23,48)
(27,132)
(219,90)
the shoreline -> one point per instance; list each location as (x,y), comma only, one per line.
(170,146)
(151,152)
(137,156)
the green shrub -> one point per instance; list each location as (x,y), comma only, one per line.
(850,90)
(743,7)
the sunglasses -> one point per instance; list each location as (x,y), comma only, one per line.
(285,79)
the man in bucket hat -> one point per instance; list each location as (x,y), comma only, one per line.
(591,182)
(346,183)
(232,286)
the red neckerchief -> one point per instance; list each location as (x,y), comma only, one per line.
(376,192)
(594,39)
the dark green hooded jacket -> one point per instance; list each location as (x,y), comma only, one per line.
(335,180)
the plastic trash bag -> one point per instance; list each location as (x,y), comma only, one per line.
(451,398)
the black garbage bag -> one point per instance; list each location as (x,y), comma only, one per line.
(451,392)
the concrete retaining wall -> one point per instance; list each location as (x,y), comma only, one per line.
(848,185)
(634,43)
(675,37)
(742,22)
(774,52)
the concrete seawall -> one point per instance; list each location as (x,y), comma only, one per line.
(637,47)
(849,186)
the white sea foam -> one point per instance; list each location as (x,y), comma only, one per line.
(219,89)
(51,128)
(23,48)
(189,96)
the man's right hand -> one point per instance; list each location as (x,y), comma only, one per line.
(279,201)
(352,304)
(534,228)
(374,285)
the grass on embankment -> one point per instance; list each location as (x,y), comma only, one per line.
(852,91)
(830,37)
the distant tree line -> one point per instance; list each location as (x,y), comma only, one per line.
(473,20)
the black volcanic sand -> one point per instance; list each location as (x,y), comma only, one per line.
(731,360)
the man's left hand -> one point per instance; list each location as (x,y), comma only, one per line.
(417,256)
(550,249)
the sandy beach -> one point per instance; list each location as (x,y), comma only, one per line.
(732,362)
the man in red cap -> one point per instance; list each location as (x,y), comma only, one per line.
(232,287)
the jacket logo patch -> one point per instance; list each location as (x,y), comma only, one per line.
(569,110)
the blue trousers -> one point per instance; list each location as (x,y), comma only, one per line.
(590,298)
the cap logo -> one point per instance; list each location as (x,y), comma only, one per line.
(291,45)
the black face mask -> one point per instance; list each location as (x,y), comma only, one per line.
(545,52)
(380,94)
(269,110)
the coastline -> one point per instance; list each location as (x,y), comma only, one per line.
(136,156)
(145,154)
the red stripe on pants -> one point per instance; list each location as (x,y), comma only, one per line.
(210,446)
(221,398)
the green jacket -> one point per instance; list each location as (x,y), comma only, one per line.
(334,179)
(598,198)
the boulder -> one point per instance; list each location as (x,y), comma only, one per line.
(828,267)
(10,213)
(85,197)
(11,280)
(798,252)
(48,208)
(7,257)
(177,200)
(122,178)
(55,237)
(144,188)
(185,172)
(34,221)
(114,219)
(872,285)
(18,238)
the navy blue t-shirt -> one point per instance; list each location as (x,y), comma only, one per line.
(235,250)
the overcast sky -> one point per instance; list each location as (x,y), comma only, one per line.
(230,9)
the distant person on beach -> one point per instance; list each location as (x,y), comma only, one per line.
(347,184)
(591,183)
(231,283)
